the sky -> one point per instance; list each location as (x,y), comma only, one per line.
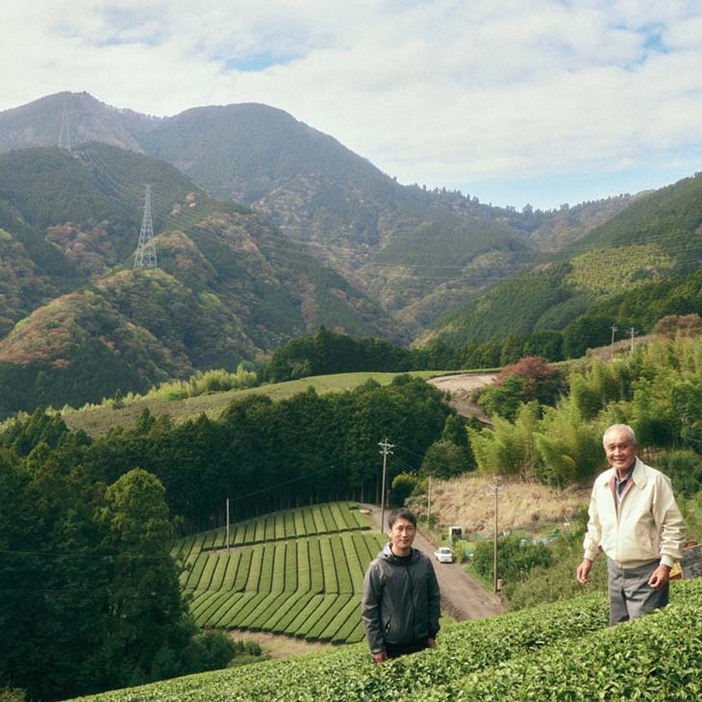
(515,102)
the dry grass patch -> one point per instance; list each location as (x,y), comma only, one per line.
(468,501)
(275,646)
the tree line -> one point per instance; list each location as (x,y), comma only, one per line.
(545,322)
(89,595)
(327,352)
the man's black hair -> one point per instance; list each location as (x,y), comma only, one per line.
(402,513)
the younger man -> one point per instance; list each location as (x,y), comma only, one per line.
(401,599)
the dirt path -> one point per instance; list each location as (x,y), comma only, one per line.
(279,645)
(462,597)
(460,387)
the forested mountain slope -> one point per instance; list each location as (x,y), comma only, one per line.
(80,322)
(417,251)
(637,267)
(352,249)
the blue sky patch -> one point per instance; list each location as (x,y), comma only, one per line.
(257,62)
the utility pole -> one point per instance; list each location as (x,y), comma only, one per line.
(614,329)
(632,332)
(495,488)
(385,446)
(145,255)
(429,502)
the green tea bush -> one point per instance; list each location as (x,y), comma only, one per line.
(559,652)
(654,658)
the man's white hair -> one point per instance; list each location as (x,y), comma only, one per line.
(620,428)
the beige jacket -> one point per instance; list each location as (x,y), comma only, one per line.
(646,525)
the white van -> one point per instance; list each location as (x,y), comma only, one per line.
(444,554)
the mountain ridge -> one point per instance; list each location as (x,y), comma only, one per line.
(319,235)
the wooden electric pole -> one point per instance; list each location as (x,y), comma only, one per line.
(385,446)
(495,488)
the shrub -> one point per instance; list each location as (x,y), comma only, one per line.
(515,559)
(9,694)
(403,485)
(210,650)
(684,468)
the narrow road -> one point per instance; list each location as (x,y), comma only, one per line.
(462,597)
(460,387)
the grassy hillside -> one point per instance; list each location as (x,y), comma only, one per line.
(563,651)
(99,419)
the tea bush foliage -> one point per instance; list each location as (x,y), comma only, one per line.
(296,572)
(558,652)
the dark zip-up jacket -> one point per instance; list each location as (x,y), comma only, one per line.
(401,602)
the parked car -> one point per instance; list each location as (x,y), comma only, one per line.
(444,554)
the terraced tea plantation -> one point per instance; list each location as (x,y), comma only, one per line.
(295,572)
(559,652)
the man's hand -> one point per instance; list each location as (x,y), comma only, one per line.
(583,571)
(380,656)
(431,643)
(660,577)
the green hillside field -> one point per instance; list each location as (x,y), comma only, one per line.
(97,420)
(563,651)
(296,572)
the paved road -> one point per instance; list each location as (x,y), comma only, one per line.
(462,597)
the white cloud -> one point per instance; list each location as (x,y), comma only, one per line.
(487,96)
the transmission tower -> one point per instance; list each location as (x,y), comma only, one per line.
(65,133)
(145,255)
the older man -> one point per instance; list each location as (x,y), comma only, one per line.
(635,521)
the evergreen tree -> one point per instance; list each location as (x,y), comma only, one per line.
(148,622)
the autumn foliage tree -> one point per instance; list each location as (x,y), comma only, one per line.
(532,378)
